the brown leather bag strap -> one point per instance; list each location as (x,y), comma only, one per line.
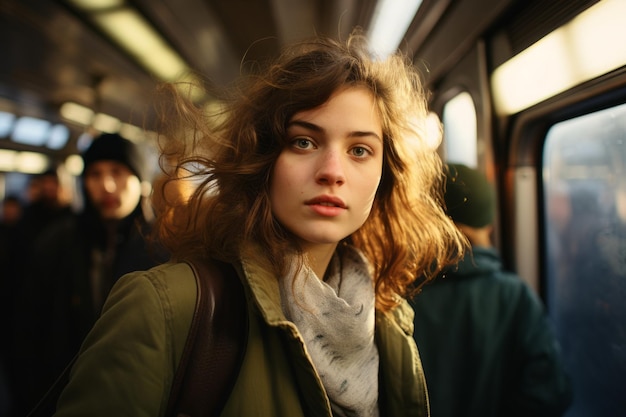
(215,345)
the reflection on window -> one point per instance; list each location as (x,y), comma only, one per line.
(585,204)
(459,130)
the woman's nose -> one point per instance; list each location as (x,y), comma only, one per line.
(330,169)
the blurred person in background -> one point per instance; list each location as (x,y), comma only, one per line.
(486,344)
(11,211)
(10,216)
(76,261)
(46,204)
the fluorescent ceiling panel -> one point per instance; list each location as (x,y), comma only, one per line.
(574,53)
(59,135)
(390,22)
(31,162)
(6,123)
(31,131)
(138,38)
(76,113)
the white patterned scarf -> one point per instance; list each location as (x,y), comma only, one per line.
(336,320)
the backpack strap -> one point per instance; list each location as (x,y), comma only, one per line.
(48,402)
(215,345)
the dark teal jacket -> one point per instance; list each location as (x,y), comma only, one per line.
(486,345)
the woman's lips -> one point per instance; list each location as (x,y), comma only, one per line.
(327,206)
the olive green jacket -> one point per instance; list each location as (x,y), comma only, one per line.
(128,360)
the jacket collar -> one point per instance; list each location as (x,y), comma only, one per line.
(263,282)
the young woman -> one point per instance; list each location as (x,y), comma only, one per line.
(319,187)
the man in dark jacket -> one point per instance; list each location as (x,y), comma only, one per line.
(76,261)
(484,339)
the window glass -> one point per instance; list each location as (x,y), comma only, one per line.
(459,130)
(585,205)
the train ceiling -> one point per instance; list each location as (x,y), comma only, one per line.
(57,51)
(61,51)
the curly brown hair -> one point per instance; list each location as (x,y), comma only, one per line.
(228,157)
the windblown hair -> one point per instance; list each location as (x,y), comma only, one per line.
(228,158)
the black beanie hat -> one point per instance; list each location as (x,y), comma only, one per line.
(469,197)
(113,147)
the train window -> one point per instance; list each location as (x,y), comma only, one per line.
(585,201)
(460,131)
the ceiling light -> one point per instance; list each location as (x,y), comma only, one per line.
(138,38)
(389,25)
(132,132)
(95,5)
(6,123)
(571,55)
(31,162)
(105,123)
(7,160)
(76,113)
(30,131)
(74,165)
(59,135)
(132,32)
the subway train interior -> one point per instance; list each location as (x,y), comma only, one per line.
(531,92)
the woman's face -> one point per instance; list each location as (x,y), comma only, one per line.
(325,180)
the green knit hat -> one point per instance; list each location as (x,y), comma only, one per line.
(469,197)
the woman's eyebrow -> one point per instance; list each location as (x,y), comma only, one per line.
(365,133)
(316,128)
(306,125)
